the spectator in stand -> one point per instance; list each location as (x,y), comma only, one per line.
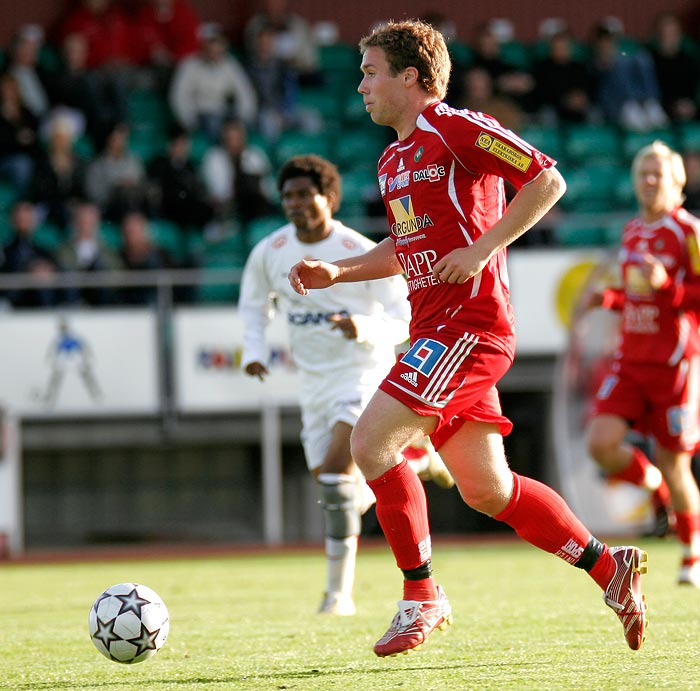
(234,174)
(479,95)
(79,88)
(176,191)
(563,87)
(676,69)
(625,84)
(139,253)
(276,86)
(110,46)
(168,34)
(295,42)
(59,177)
(106,30)
(169,30)
(116,179)
(19,136)
(24,66)
(211,86)
(22,255)
(85,251)
(509,80)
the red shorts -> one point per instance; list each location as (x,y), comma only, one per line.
(656,399)
(453,379)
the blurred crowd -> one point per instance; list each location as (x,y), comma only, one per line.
(136,134)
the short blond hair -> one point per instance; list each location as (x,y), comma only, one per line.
(665,153)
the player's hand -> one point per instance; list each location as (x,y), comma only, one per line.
(311,273)
(257,369)
(592,300)
(459,265)
(654,271)
(345,325)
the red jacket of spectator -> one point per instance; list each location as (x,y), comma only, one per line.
(107,34)
(168,30)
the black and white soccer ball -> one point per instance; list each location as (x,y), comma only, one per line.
(128,623)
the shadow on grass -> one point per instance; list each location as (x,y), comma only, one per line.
(246,679)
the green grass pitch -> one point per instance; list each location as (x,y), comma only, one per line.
(523,620)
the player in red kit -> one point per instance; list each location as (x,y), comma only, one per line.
(442,183)
(653,381)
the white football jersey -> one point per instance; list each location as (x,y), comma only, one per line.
(379,308)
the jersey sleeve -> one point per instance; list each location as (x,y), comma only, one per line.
(255,306)
(484,147)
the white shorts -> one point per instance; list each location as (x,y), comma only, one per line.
(328,400)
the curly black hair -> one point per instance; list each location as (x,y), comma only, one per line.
(323,173)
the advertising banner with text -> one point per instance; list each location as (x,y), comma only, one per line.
(208,343)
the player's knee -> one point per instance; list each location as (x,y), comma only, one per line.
(361,449)
(339,503)
(490,499)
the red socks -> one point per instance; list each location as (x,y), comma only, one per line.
(535,511)
(402,512)
(541,517)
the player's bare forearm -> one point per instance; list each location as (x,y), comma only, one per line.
(379,262)
(528,206)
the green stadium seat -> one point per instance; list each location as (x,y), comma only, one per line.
(591,143)
(339,56)
(321,102)
(612,231)
(623,191)
(516,54)
(144,106)
(228,253)
(353,109)
(632,142)
(48,236)
(147,143)
(169,237)
(200,143)
(547,139)
(461,53)
(295,143)
(576,232)
(590,188)
(260,228)
(8,194)
(111,235)
(359,186)
(359,147)
(689,136)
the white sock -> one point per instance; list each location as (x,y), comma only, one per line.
(340,560)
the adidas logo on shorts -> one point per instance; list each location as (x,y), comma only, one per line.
(411,378)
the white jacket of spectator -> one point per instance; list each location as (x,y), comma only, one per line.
(201,87)
(218,172)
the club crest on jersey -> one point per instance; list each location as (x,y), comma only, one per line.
(506,153)
(418,155)
(405,219)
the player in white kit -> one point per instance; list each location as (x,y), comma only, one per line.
(343,342)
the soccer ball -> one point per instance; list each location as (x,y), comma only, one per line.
(128,623)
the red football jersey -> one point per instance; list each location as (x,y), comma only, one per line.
(653,327)
(443,187)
